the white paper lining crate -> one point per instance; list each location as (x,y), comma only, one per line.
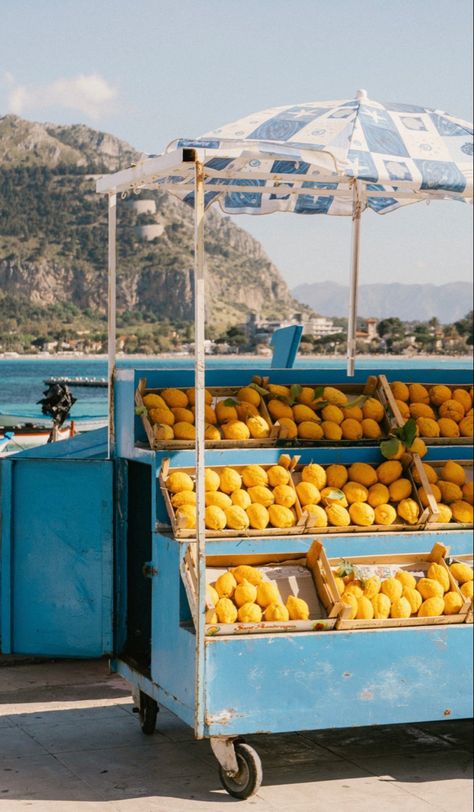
(385,566)
(182,533)
(426,513)
(397,421)
(218,393)
(307,577)
(452,525)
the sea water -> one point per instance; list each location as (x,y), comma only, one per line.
(22,379)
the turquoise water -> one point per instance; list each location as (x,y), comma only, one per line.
(22,380)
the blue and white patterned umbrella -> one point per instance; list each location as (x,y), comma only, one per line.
(305,158)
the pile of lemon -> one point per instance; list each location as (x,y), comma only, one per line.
(242,594)
(330,415)
(359,494)
(252,497)
(404,595)
(439,411)
(172,414)
(452,492)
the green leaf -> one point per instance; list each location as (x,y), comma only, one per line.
(259,389)
(295,391)
(334,495)
(348,568)
(140,411)
(317,407)
(407,433)
(389,448)
(318,391)
(355,402)
(230,402)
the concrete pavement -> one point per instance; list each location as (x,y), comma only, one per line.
(69,742)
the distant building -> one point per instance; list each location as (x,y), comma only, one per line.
(320,327)
(370,334)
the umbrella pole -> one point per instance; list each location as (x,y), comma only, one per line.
(199,382)
(352,325)
(111,317)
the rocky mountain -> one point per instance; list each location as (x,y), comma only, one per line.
(447,302)
(54,236)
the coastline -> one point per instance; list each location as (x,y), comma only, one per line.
(230,356)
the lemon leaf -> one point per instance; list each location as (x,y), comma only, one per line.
(141,410)
(317,407)
(407,433)
(295,390)
(230,402)
(258,388)
(389,448)
(355,402)
(318,391)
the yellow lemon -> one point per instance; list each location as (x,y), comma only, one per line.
(230,480)
(258,427)
(350,600)
(453,603)
(439,393)
(240,498)
(466,426)
(179,481)
(153,401)
(462,511)
(452,409)
(267,593)
(184,431)
(284,495)
(258,516)
(183,498)
(183,415)
(307,430)
(365,609)
(308,494)
(276,612)
(429,588)
(212,480)
(301,412)
(467,492)
(279,390)
(377,495)
(373,409)
(212,595)
(289,429)
(249,395)
(400,489)
(237,518)
(450,492)
(191,396)
(445,514)
(440,574)
(334,396)
(315,474)
(278,475)
(400,390)
(338,516)
(245,592)
(340,585)
(467,590)
(244,572)
(453,472)
(371,429)
(463,397)
(461,572)
(333,414)
(218,499)
(448,427)
(418,393)
(281,516)
(355,492)
(186,517)
(298,609)
(209,414)
(353,413)
(226,611)
(392,588)
(413,597)
(175,397)
(406,578)
(225,413)
(163,432)
(421,410)
(381,604)
(403,408)
(249,613)
(351,429)
(245,411)
(331,430)
(418,446)
(372,586)
(212,433)
(422,495)
(385,514)
(389,471)
(214,518)
(427,427)
(235,430)
(278,408)
(306,395)
(211,617)
(409,510)
(162,416)
(316,516)
(262,495)
(430,472)
(225,585)
(337,476)
(432,607)
(355,588)
(361,514)
(363,473)
(400,608)
(254,475)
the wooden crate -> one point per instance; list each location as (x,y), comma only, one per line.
(452,525)
(385,566)
(465,559)
(426,513)
(397,421)
(181,533)
(218,393)
(308,577)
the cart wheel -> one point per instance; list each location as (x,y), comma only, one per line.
(249,778)
(148,711)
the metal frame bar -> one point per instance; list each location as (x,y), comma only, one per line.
(357,208)
(112,309)
(6,557)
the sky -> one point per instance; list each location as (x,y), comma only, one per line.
(150,71)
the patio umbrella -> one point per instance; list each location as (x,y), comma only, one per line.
(336,158)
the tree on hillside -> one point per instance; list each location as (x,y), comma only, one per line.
(465,327)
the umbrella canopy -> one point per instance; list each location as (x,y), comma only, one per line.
(305,158)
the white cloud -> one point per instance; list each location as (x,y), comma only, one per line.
(89,94)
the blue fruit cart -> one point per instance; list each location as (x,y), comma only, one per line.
(227,686)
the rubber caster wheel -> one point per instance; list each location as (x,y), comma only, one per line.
(249,778)
(147,709)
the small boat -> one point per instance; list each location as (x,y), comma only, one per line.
(19,438)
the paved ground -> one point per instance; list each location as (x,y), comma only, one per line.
(70,742)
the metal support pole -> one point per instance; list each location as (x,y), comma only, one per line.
(352,325)
(199,382)
(111,314)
